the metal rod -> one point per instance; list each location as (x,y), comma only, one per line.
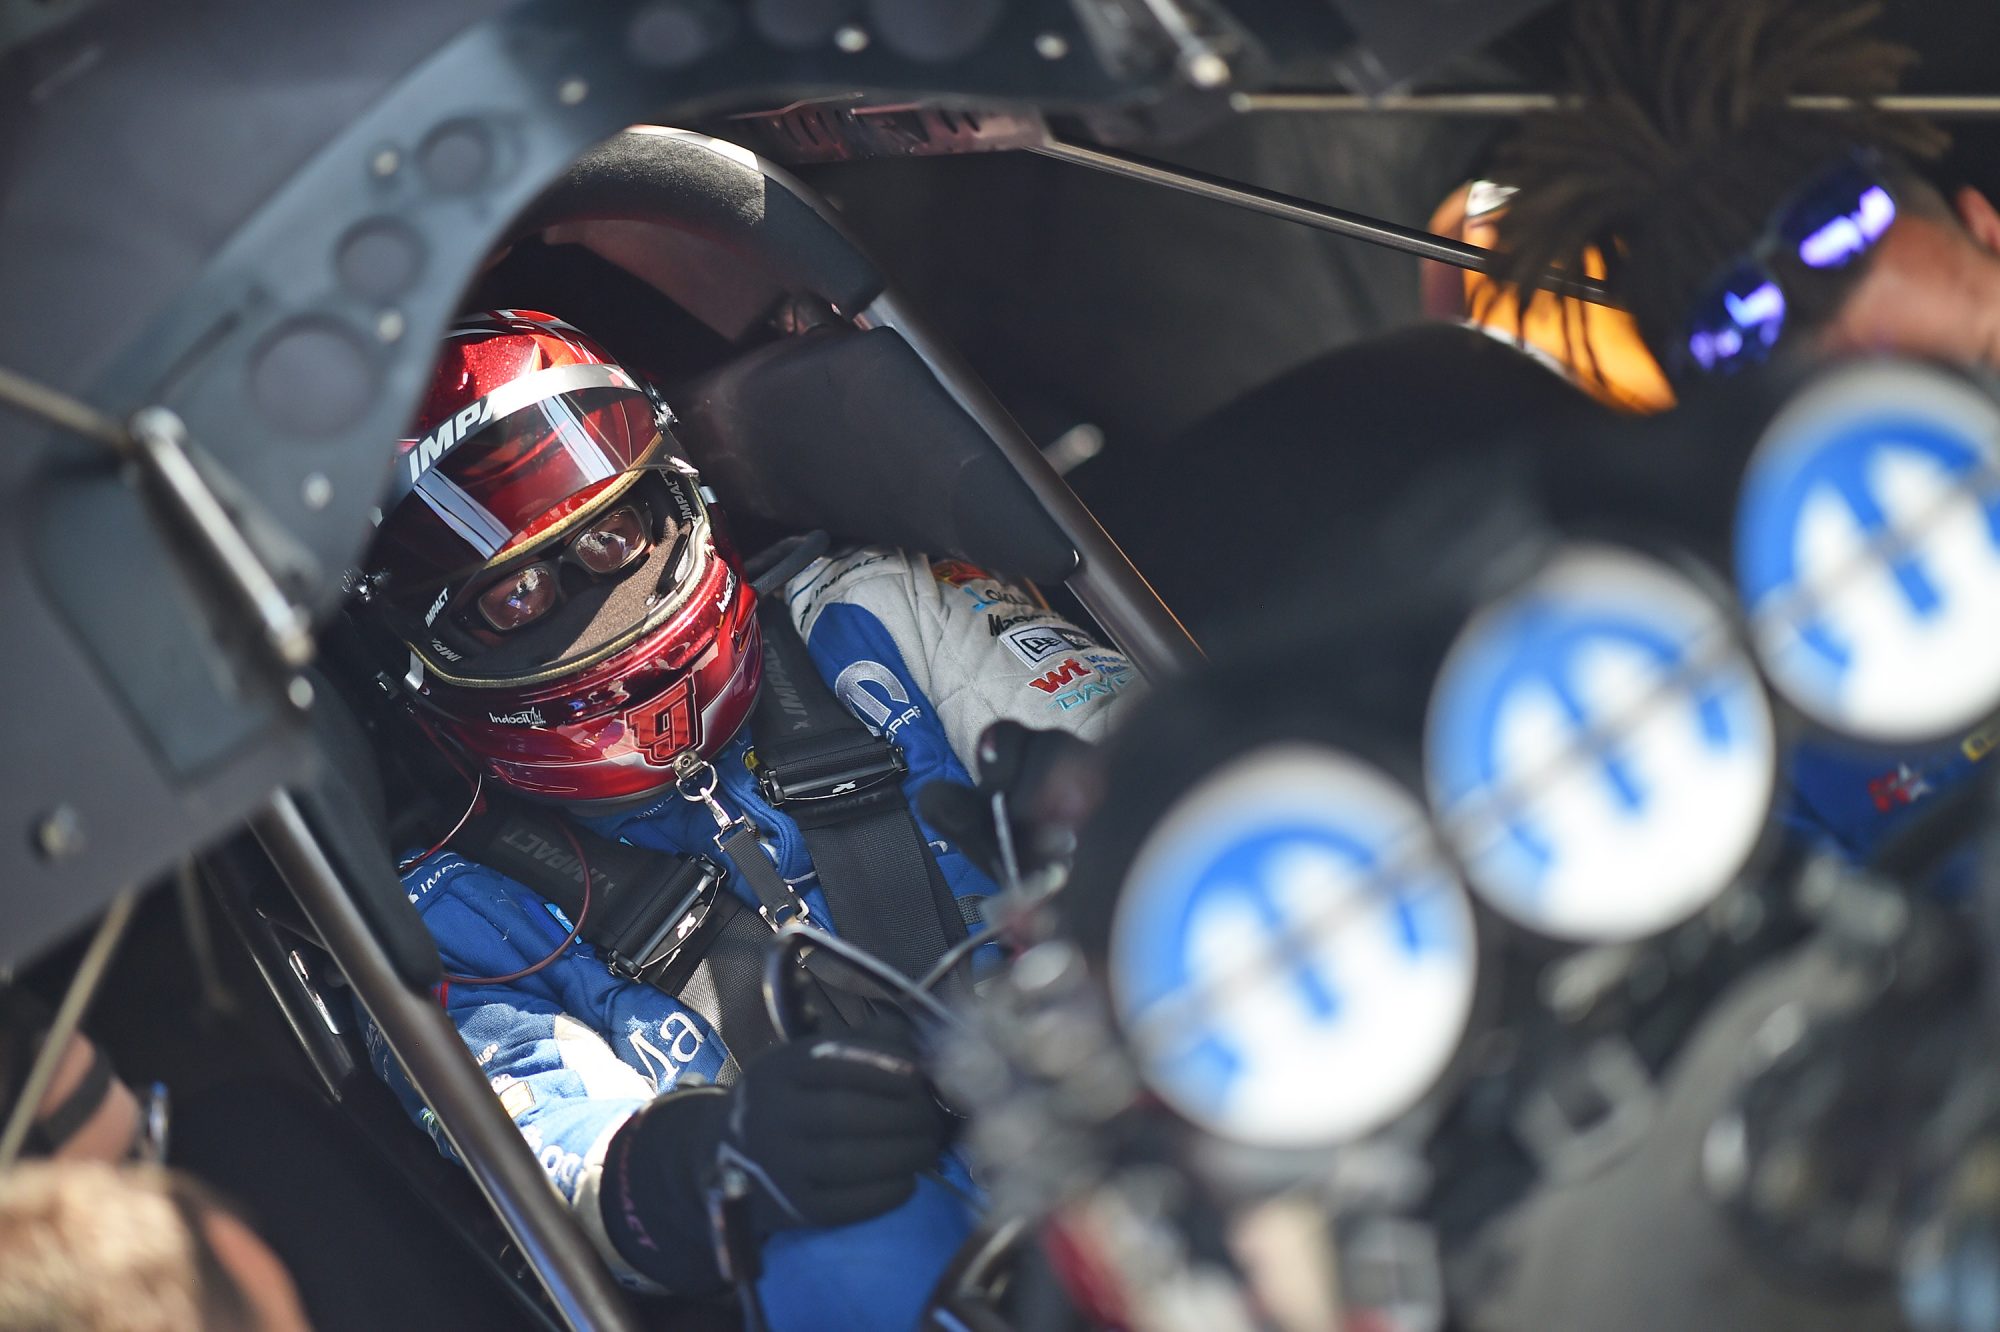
(215,992)
(287,629)
(156,440)
(1114,592)
(72,414)
(1199,59)
(1937,106)
(69,1015)
(1408,240)
(425,1043)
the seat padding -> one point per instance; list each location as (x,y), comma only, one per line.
(851,432)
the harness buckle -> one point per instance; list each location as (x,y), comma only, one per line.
(676,926)
(794,910)
(697,780)
(862,769)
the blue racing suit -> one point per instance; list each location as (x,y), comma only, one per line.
(928,655)
(1857,799)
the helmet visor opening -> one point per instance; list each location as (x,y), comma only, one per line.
(607,543)
(609,568)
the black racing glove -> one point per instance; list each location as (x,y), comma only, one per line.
(1051,783)
(828,1132)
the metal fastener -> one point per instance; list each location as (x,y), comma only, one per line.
(59,835)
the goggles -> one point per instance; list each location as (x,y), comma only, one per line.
(1836,219)
(605,563)
(611,543)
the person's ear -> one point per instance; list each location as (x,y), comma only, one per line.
(1980,217)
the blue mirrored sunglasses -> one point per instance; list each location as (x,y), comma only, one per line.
(1836,219)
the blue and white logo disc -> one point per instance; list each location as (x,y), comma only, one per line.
(1868,553)
(1292,957)
(1599,750)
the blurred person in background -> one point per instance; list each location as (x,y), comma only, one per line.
(1735,228)
(1690,175)
(90,1247)
(88,1112)
(1686,162)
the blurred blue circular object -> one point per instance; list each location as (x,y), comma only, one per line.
(1599,751)
(1868,553)
(1292,958)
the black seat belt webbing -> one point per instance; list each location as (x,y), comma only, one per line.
(644,905)
(778,906)
(842,784)
(655,917)
(720,975)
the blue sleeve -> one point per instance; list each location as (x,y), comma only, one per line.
(571,1051)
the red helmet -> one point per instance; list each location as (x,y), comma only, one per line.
(574,620)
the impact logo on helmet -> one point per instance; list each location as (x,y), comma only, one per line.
(427,452)
(421,455)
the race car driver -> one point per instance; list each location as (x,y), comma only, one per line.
(1694,172)
(580,632)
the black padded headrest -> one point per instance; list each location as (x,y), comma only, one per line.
(1260,490)
(721,193)
(851,432)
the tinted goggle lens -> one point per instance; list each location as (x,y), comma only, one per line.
(612,544)
(1838,220)
(1830,224)
(1738,322)
(521,597)
(616,541)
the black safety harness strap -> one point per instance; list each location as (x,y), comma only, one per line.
(654,916)
(644,905)
(660,918)
(842,784)
(778,905)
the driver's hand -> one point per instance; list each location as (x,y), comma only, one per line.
(832,1130)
